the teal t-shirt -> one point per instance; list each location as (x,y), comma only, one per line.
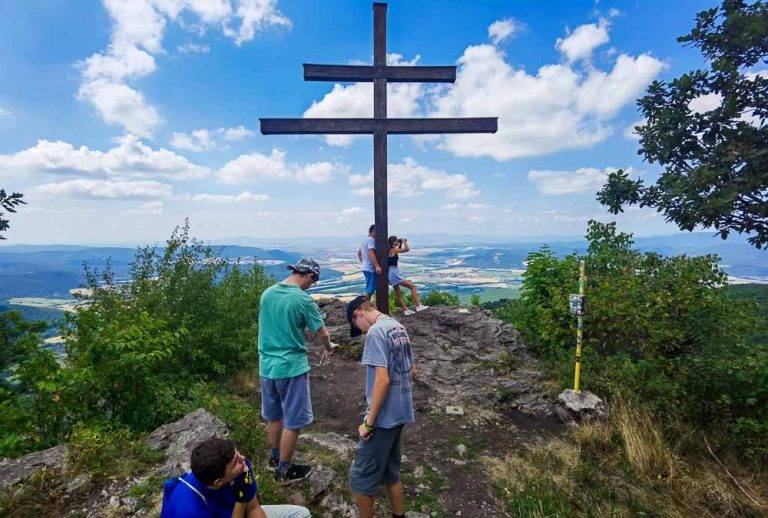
(284,311)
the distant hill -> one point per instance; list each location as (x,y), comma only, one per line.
(50,272)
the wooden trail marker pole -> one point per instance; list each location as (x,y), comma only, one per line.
(379,126)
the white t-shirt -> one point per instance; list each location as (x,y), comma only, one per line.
(368,244)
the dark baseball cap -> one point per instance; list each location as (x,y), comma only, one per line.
(306,265)
(351,307)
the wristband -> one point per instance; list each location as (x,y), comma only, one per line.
(366,426)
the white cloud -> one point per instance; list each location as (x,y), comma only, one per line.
(351,211)
(452,206)
(476,219)
(359,179)
(246,196)
(557,108)
(256,15)
(130,159)
(409,178)
(149,207)
(583,40)
(193,48)
(207,140)
(356,100)
(567,182)
(478,206)
(138,27)
(4,112)
(500,30)
(705,103)
(255,167)
(105,189)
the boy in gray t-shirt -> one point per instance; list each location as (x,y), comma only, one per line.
(388,360)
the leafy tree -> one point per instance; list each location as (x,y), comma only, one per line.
(29,414)
(661,331)
(9,202)
(440,298)
(715,160)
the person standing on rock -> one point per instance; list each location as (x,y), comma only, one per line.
(388,360)
(397,247)
(370,264)
(285,311)
(220,484)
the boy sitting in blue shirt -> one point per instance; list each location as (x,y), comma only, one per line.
(221,485)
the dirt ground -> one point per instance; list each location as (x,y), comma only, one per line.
(460,482)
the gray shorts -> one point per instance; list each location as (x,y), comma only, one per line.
(394,276)
(377,461)
(287,399)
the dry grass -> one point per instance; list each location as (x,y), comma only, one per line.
(622,467)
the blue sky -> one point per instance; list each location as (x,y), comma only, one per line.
(118,119)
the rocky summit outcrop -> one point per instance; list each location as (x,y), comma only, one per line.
(462,354)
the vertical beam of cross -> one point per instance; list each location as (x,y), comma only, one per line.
(379,126)
(380,156)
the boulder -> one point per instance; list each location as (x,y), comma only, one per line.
(177,439)
(320,480)
(461,354)
(13,471)
(330,441)
(579,406)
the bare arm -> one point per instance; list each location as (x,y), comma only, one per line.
(325,339)
(359,255)
(250,509)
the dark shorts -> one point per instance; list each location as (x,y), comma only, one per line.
(377,461)
(370,282)
(288,399)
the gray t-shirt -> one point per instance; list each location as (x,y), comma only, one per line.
(368,244)
(387,345)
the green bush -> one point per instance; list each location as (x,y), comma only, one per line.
(440,298)
(662,331)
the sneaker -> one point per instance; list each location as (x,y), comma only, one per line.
(421,307)
(408,312)
(272,464)
(296,473)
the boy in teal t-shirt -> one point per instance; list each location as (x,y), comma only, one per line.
(285,311)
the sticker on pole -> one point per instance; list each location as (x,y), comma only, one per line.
(577,304)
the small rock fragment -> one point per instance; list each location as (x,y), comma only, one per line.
(454,410)
(418,472)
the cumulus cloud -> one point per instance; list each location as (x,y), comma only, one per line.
(4,112)
(409,178)
(568,182)
(207,140)
(500,30)
(105,189)
(254,167)
(348,213)
(131,158)
(558,108)
(138,27)
(580,43)
(705,103)
(245,196)
(356,100)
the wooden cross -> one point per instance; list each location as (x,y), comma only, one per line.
(379,126)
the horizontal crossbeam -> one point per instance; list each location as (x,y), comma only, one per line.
(371,126)
(363,73)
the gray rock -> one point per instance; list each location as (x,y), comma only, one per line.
(336,507)
(454,410)
(320,480)
(177,439)
(78,483)
(464,354)
(330,441)
(579,406)
(414,514)
(297,499)
(418,472)
(13,471)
